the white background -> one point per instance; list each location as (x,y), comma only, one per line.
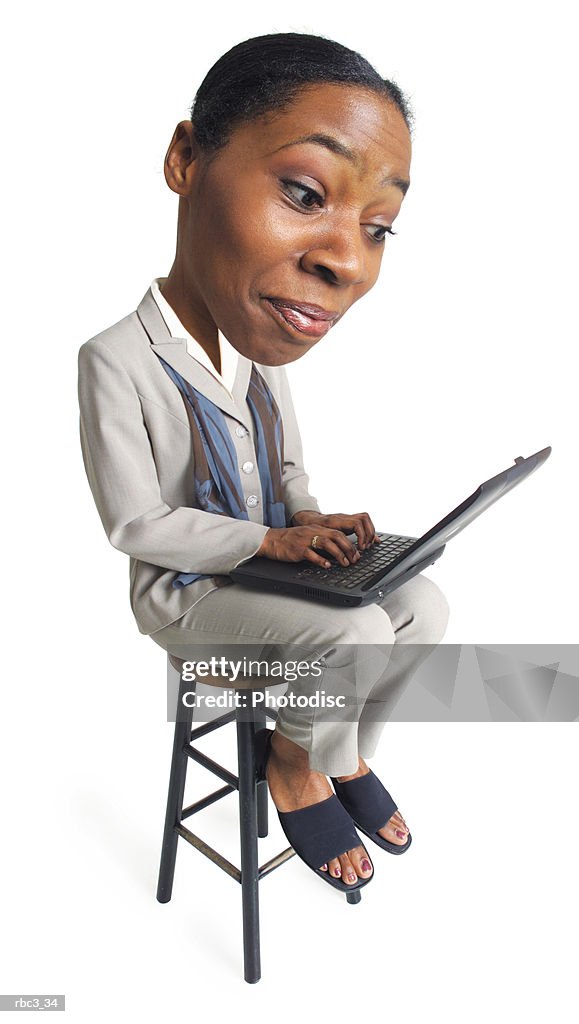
(459,360)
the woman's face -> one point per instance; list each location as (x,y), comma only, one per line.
(284,228)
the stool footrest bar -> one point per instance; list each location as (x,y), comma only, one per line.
(209,852)
(203,730)
(212,766)
(275,862)
(206,801)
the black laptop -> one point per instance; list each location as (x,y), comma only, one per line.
(385,566)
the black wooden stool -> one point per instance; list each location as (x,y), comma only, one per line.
(253,808)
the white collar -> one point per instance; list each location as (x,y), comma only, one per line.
(229,355)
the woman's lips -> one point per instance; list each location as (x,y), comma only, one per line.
(305,318)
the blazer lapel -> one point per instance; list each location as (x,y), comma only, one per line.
(174,351)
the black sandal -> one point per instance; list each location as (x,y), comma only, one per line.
(315,832)
(370,807)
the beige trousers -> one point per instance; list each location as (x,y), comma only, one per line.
(368,654)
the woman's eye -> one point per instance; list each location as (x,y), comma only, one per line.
(307,197)
(304,195)
(381,232)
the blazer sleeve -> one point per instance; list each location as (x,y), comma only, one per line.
(123,479)
(296,494)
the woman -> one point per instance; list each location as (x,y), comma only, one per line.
(290,175)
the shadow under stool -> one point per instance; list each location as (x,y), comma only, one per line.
(253,803)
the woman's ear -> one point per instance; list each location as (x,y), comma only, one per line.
(180,160)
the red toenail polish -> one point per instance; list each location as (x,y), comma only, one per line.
(351,878)
(366,866)
(401,835)
(337,872)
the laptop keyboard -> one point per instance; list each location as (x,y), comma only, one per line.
(371,561)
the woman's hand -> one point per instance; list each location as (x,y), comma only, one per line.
(294,543)
(359,523)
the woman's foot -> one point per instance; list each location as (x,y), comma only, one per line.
(396,829)
(292,786)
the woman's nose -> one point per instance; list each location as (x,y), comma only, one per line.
(338,256)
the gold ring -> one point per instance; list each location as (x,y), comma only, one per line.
(314,543)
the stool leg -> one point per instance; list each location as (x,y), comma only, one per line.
(174,799)
(259,719)
(249,862)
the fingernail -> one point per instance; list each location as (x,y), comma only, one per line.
(366,866)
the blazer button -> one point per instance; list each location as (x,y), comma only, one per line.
(252,501)
(240,431)
(248,467)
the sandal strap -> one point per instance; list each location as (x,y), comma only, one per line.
(366,800)
(320,832)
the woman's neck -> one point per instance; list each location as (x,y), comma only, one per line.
(199,324)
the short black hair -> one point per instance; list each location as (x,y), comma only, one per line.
(264,74)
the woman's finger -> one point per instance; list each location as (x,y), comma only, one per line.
(312,556)
(345,546)
(334,543)
(342,555)
(368,528)
(360,531)
(362,526)
(358,524)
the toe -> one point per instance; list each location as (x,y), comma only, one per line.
(335,868)
(361,862)
(349,875)
(396,831)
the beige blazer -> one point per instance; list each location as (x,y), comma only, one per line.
(138,456)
